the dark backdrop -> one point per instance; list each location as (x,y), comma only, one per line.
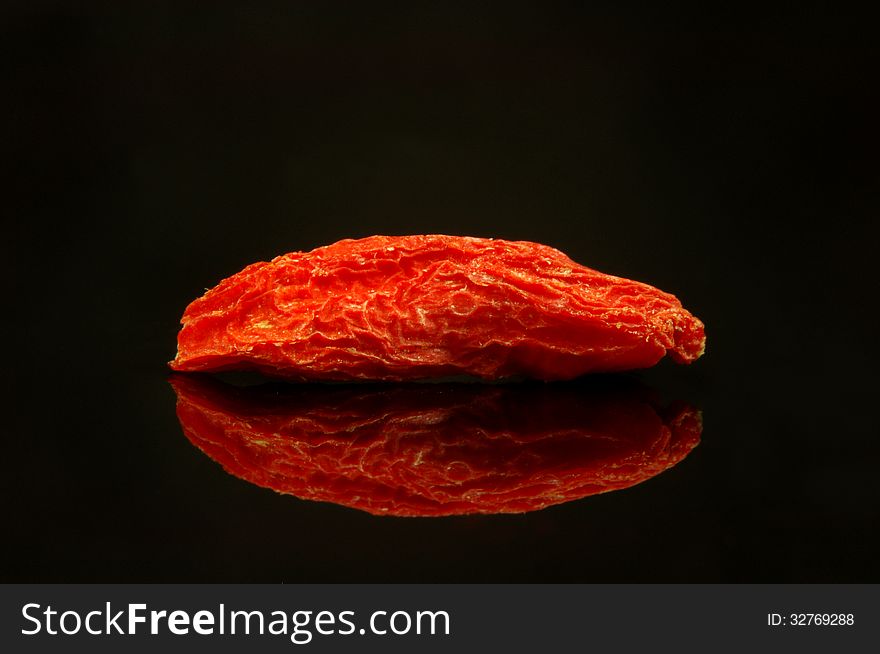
(722,154)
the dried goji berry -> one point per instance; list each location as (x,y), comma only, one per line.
(406,307)
(435,449)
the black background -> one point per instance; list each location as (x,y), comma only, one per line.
(723,154)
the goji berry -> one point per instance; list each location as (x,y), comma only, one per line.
(435,449)
(408,307)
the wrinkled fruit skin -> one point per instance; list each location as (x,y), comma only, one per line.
(436,449)
(407,307)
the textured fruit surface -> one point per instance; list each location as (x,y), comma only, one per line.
(435,449)
(409,307)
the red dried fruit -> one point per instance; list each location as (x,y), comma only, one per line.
(408,307)
(435,449)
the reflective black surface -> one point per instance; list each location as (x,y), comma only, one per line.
(723,155)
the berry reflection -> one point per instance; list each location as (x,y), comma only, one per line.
(437,449)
